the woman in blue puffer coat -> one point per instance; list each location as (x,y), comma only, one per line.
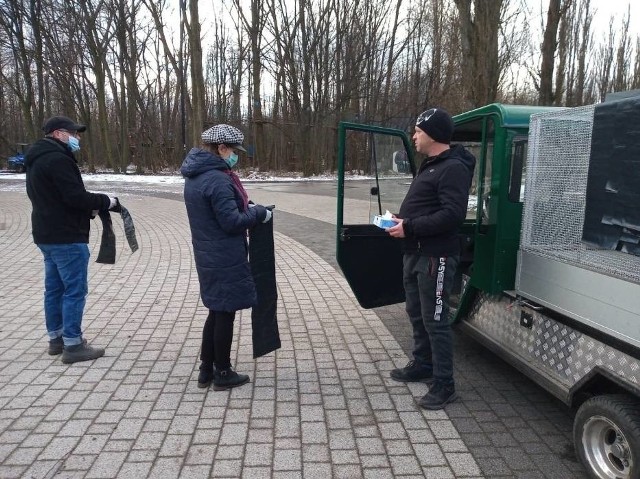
(219,216)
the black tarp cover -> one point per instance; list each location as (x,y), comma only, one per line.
(612,212)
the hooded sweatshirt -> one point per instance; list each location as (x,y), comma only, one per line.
(61,205)
(436,204)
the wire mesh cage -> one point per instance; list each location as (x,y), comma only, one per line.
(555,194)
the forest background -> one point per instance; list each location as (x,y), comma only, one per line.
(148,76)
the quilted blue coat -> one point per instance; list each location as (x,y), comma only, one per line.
(219,223)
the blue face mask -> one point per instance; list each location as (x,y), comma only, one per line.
(232,160)
(73,143)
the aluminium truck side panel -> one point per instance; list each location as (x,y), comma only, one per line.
(606,303)
(560,356)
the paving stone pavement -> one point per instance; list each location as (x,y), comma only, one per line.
(321,406)
(511,426)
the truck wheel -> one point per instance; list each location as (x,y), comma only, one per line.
(606,434)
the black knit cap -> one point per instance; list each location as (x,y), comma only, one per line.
(436,123)
(61,123)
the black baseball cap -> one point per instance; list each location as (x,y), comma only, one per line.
(62,123)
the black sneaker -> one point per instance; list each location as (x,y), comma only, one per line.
(206,376)
(227,379)
(438,396)
(80,352)
(412,373)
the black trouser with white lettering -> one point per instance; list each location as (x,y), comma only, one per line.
(428,282)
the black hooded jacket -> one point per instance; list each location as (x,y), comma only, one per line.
(61,205)
(436,204)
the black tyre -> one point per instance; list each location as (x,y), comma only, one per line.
(606,434)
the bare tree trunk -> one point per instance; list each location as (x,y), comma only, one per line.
(557,9)
(585,41)
(480,49)
(622,56)
(197,77)
(237,68)
(36,12)
(121,36)
(564,44)
(254,29)
(434,77)
(604,64)
(135,137)
(257,23)
(635,81)
(305,113)
(390,61)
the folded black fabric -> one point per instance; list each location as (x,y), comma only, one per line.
(264,316)
(107,253)
(129,228)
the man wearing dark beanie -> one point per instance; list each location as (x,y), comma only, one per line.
(428,223)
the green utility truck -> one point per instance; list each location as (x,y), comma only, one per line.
(549,277)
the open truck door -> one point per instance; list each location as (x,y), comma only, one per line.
(370,259)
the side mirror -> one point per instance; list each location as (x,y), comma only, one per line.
(374,191)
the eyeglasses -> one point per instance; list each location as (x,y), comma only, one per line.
(74,133)
(231,148)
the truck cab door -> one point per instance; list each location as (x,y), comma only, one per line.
(370,259)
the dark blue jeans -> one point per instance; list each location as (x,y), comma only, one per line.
(65,289)
(428,282)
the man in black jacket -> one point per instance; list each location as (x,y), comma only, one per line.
(429,220)
(62,208)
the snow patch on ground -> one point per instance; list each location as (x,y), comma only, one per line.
(178,179)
